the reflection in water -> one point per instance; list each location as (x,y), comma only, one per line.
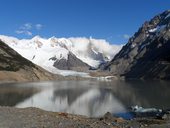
(144,93)
(90,98)
(10,95)
(90,102)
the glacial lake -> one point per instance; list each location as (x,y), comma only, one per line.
(89,98)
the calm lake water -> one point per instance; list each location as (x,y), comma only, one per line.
(90,98)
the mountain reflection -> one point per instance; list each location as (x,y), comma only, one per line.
(10,94)
(90,98)
(142,93)
(90,102)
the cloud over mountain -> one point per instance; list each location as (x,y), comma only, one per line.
(28,28)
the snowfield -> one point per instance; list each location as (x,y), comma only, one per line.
(41,51)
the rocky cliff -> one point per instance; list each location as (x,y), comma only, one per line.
(147,53)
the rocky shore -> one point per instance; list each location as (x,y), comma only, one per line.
(11,117)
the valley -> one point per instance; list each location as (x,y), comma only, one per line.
(87,82)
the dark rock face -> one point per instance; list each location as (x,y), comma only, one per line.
(147,53)
(72,63)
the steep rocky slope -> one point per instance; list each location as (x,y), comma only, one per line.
(13,67)
(147,54)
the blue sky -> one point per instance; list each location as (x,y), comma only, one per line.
(113,20)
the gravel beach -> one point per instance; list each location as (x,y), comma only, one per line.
(11,117)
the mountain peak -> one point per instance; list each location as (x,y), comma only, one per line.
(45,52)
(146,55)
(37,37)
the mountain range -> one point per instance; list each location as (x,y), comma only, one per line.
(145,56)
(58,54)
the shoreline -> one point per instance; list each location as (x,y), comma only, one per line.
(35,117)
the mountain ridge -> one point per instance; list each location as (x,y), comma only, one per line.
(82,53)
(146,55)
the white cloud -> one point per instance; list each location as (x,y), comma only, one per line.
(38,26)
(27,28)
(28,33)
(19,32)
(126,36)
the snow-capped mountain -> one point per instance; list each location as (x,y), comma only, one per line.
(14,67)
(55,52)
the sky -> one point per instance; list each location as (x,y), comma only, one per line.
(112,20)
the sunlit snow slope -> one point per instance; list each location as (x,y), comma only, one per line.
(41,50)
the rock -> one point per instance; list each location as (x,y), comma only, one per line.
(63,114)
(71,63)
(164,117)
(108,115)
(147,53)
